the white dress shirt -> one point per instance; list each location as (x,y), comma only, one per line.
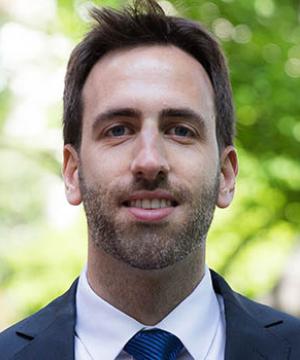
(102,330)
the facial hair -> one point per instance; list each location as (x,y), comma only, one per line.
(144,245)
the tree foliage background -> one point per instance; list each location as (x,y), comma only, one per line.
(43,240)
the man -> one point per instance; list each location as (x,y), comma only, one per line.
(148,132)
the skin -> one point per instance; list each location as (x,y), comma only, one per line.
(182,150)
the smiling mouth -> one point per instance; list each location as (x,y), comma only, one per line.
(150,204)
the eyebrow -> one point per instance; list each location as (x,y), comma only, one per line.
(185,113)
(112,113)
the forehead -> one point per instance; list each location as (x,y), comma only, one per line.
(148,76)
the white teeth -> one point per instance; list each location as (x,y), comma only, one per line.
(163,203)
(146,204)
(155,204)
(150,203)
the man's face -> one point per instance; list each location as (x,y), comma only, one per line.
(149,170)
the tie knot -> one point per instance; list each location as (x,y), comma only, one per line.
(154,344)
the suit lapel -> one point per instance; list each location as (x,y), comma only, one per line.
(51,334)
(248,334)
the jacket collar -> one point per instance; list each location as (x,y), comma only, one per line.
(55,322)
(248,332)
(249,328)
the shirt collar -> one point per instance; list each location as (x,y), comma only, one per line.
(104,330)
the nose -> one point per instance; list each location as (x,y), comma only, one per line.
(149,158)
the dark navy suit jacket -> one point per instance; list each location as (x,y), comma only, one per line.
(253,331)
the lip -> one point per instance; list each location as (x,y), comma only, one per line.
(150,215)
(157,194)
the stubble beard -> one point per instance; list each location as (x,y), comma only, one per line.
(144,245)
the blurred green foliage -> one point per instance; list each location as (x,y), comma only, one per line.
(249,243)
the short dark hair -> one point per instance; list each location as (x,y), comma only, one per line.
(145,23)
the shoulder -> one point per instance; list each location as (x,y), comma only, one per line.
(61,310)
(268,317)
(260,322)
(282,326)
(263,313)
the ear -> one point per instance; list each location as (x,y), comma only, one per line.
(229,171)
(70,175)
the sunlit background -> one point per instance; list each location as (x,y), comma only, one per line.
(255,244)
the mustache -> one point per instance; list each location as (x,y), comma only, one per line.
(179,192)
(160,182)
(123,190)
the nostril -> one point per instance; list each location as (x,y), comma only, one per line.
(162,175)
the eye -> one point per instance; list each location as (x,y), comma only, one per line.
(118,130)
(181,131)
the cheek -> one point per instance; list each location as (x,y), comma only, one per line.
(195,166)
(105,166)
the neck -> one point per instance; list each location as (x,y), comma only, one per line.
(145,295)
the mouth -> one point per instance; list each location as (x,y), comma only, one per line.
(150,206)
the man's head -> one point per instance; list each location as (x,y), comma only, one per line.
(149,166)
(145,24)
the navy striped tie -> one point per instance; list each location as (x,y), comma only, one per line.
(154,345)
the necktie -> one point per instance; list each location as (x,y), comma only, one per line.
(154,345)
